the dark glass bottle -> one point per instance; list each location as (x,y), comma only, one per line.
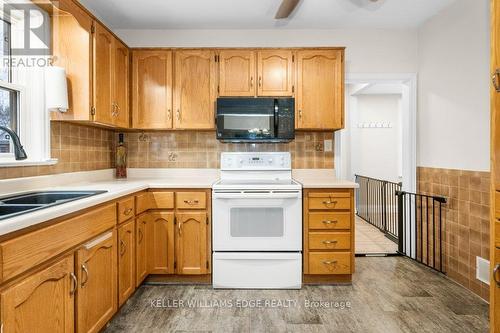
(121,158)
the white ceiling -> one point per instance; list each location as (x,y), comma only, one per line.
(259,14)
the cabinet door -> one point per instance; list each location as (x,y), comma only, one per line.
(43,302)
(495,292)
(97,277)
(120,84)
(275,73)
(195,89)
(126,261)
(161,243)
(72,49)
(141,255)
(152,89)
(191,243)
(236,73)
(320,89)
(103,75)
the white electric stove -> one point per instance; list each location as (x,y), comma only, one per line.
(257,223)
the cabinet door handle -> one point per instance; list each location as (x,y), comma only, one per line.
(128,211)
(74,283)
(328,262)
(141,236)
(179,226)
(123,247)
(86,271)
(495,273)
(178,114)
(169,114)
(191,202)
(330,242)
(251,81)
(494,79)
(260,81)
(329,221)
(300,114)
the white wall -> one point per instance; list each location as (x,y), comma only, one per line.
(376,152)
(368,50)
(453,98)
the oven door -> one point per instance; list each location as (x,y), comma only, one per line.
(245,119)
(257,220)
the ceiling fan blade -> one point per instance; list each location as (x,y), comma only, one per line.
(286,8)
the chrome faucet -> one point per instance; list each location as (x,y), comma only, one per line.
(19,152)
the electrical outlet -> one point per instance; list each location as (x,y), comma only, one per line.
(328,145)
(483,270)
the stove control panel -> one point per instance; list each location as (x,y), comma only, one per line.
(256,161)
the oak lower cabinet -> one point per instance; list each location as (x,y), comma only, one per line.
(97,278)
(126,261)
(328,235)
(319,100)
(44,302)
(191,243)
(160,238)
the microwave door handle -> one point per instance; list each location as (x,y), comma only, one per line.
(276,118)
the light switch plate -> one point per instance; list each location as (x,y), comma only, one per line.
(483,270)
(328,145)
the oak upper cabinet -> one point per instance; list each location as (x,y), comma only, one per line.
(160,252)
(71,42)
(320,89)
(236,73)
(141,248)
(195,89)
(97,277)
(126,261)
(120,104)
(43,302)
(152,89)
(191,243)
(275,73)
(103,109)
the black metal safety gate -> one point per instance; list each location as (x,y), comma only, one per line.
(377,204)
(420,218)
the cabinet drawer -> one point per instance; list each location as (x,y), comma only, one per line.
(329,221)
(329,241)
(21,253)
(154,200)
(191,200)
(330,263)
(329,201)
(126,209)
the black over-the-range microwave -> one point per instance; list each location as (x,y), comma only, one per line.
(261,119)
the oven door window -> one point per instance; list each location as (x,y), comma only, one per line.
(257,222)
(245,120)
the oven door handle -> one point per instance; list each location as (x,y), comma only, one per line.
(291,195)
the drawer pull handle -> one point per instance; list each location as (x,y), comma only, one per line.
(140,236)
(191,202)
(330,242)
(330,202)
(328,262)
(74,283)
(495,273)
(128,211)
(122,247)
(329,221)
(86,271)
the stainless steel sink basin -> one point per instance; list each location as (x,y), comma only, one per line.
(28,202)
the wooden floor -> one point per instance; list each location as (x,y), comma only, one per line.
(388,294)
(370,240)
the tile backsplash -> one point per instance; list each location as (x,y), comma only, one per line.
(77,147)
(190,149)
(467,225)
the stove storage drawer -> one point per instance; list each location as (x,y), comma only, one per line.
(329,201)
(326,263)
(329,240)
(329,221)
(191,200)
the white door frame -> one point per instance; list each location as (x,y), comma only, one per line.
(409,122)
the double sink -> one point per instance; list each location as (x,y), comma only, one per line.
(25,203)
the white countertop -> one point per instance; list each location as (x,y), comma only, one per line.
(138,180)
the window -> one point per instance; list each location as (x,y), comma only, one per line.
(8,97)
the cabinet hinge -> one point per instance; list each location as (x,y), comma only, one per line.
(207,264)
(175,265)
(92,110)
(92,28)
(215,57)
(175,220)
(218,89)
(293,88)
(206,220)
(293,57)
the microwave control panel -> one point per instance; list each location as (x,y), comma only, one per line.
(256,161)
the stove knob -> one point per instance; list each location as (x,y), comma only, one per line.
(270,161)
(241,161)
